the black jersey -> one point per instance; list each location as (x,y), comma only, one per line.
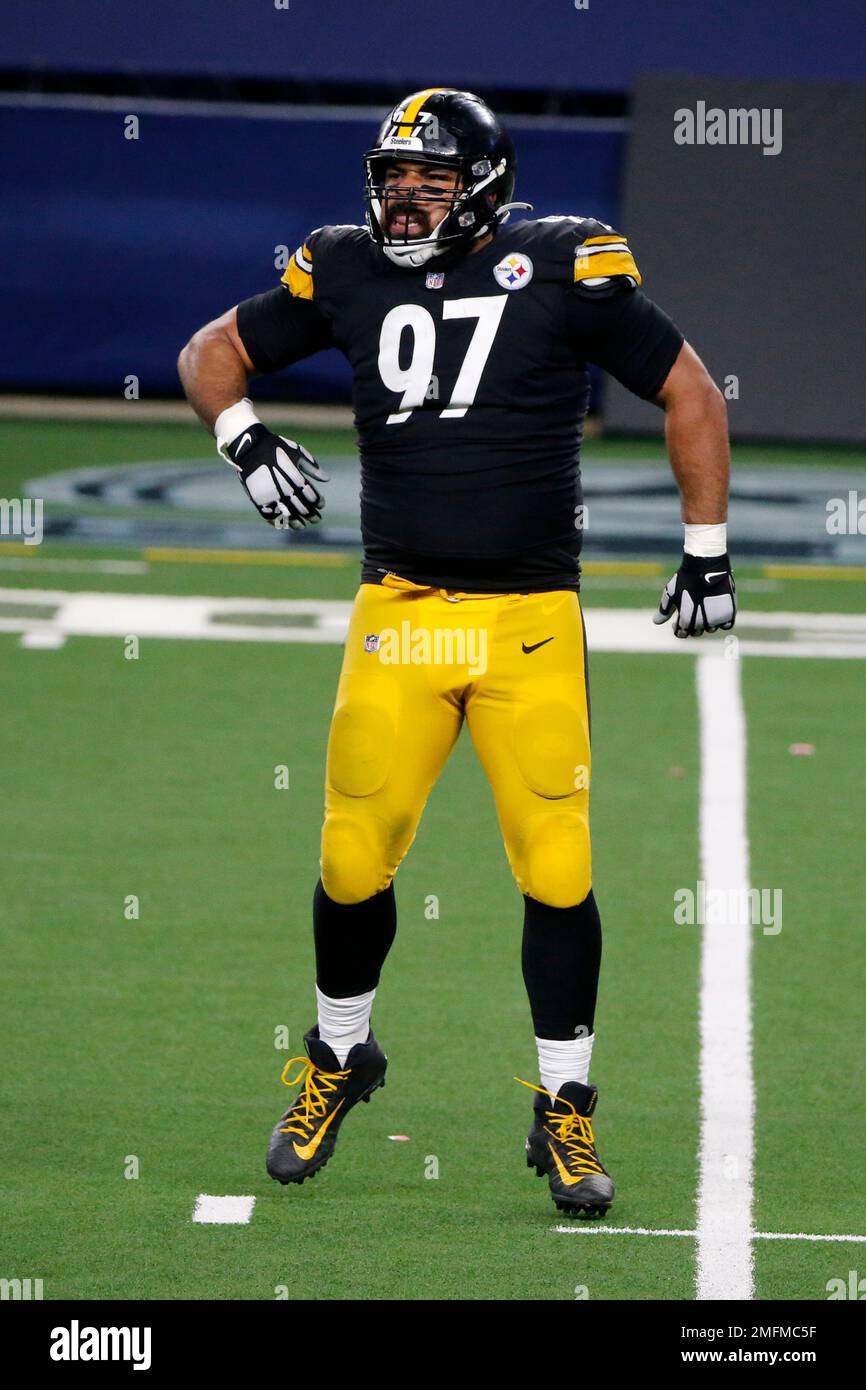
(470,388)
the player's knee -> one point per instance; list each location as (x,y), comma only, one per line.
(556,866)
(355,860)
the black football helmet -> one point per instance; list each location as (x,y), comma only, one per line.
(443,126)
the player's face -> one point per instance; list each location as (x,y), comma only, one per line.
(408,212)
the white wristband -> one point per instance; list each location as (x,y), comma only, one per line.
(705,541)
(233,421)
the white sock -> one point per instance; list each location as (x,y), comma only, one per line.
(344,1022)
(561,1060)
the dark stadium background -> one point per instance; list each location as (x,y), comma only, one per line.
(253,120)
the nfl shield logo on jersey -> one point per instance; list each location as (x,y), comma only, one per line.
(435,279)
(371,642)
(514,271)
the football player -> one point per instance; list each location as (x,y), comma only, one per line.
(468,341)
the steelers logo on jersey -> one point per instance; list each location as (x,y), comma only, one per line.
(514,271)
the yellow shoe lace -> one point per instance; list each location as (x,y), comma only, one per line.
(573,1131)
(311,1102)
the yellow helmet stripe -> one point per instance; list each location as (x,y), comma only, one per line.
(410,115)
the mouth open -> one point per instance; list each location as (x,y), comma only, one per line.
(407,224)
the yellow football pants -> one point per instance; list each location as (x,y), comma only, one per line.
(417,661)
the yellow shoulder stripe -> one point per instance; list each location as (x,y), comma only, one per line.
(591,265)
(606,240)
(298,276)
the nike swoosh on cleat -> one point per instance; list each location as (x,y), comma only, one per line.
(535,645)
(307,1150)
(569,1178)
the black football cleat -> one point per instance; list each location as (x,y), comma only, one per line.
(561,1143)
(303,1139)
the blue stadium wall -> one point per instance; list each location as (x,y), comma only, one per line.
(549,45)
(113,251)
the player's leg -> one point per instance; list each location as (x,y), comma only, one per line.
(529,719)
(393,727)
(392,730)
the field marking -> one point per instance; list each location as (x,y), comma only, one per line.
(36,562)
(724,1257)
(584,1229)
(201,618)
(650,583)
(179,555)
(42,641)
(299,555)
(223,1211)
(815,572)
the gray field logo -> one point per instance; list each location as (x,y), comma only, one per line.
(22,517)
(737,126)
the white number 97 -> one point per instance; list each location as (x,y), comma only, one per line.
(414,380)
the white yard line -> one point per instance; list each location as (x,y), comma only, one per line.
(725,1266)
(42,641)
(583,1228)
(223,1211)
(208,618)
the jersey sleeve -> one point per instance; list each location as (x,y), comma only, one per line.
(609,319)
(285,324)
(629,336)
(603,261)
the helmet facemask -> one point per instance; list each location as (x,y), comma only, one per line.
(475,206)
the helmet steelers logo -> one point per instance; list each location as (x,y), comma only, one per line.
(514,271)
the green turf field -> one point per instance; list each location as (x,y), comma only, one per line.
(148,1044)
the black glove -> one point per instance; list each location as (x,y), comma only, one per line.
(276,474)
(703,594)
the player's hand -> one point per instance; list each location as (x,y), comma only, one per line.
(278,476)
(703,595)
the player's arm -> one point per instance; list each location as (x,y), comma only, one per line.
(696,428)
(632,338)
(215,368)
(262,334)
(702,593)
